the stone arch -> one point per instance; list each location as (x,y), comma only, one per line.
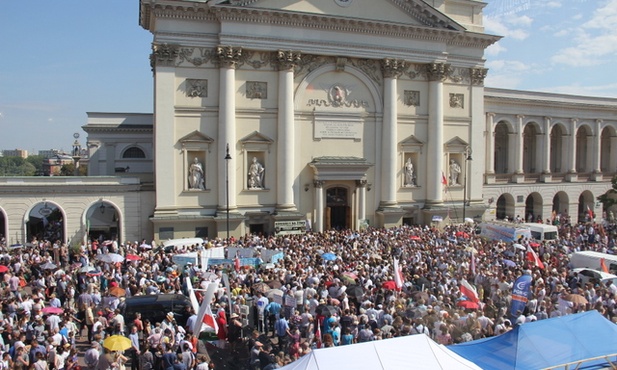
(505,207)
(531,145)
(586,202)
(102,218)
(533,207)
(45,220)
(608,149)
(561,202)
(558,144)
(584,145)
(312,80)
(503,133)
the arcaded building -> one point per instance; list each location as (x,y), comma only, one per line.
(273,115)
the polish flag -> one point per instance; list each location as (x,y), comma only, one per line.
(209,319)
(398,275)
(532,256)
(589,213)
(444,182)
(472,265)
(469,291)
(318,335)
(603,265)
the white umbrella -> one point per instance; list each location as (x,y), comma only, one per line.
(48,266)
(87,269)
(110,258)
(519,246)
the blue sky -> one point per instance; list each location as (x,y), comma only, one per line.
(63,58)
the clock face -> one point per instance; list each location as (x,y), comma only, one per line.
(343,3)
(76,135)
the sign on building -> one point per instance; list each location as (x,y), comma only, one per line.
(289,227)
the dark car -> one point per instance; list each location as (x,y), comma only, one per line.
(155,307)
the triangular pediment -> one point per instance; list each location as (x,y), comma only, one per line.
(456,145)
(411,144)
(196,137)
(256,138)
(402,12)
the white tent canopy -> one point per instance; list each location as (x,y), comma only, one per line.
(416,352)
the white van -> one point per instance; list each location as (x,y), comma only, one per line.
(591,260)
(543,232)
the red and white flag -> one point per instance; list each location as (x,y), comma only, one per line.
(472,264)
(589,213)
(469,291)
(532,256)
(237,263)
(444,182)
(318,335)
(210,320)
(398,275)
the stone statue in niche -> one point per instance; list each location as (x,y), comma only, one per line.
(196,176)
(410,176)
(256,175)
(455,171)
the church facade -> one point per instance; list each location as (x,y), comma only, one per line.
(273,115)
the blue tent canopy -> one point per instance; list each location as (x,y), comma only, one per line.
(586,338)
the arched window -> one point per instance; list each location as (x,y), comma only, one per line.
(133,152)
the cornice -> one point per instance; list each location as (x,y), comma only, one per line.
(434,29)
(117,128)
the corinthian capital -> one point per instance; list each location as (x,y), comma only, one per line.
(164,54)
(392,67)
(478,75)
(287,60)
(438,71)
(228,56)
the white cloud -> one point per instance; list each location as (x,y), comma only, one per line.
(520,21)
(561,33)
(595,41)
(495,49)
(502,81)
(552,4)
(499,26)
(608,90)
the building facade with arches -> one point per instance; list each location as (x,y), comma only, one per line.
(329,113)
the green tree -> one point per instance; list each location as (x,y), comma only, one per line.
(609,198)
(16,166)
(37,162)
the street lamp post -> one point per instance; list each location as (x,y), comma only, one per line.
(227,158)
(467,160)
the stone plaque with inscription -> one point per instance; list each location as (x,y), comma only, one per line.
(338,130)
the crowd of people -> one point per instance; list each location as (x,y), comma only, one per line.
(329,289)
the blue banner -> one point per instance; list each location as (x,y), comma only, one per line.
(520,295)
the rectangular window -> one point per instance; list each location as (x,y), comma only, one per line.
(166,233)
(201,232)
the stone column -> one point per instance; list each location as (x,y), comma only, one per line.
(546,165)
(490,143)
(228,58)
(163,61)
(391,69)
(572,164)
(286,61)
(517,150)
(597,153)
(361,186)
(518,165)
(437,74)
(474,168)
(319,204)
